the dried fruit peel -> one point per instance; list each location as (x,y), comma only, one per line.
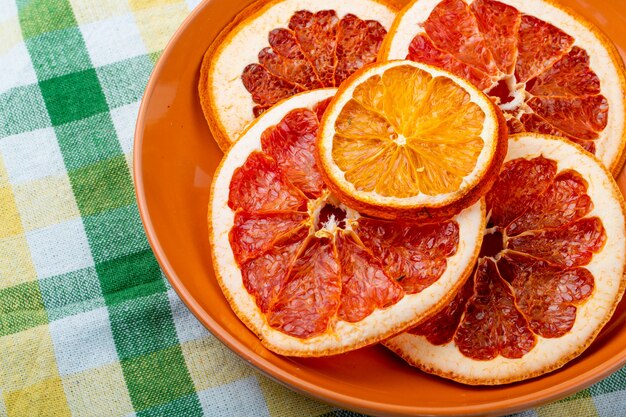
(341,336)
(604,61)
(226,103)
(607,268)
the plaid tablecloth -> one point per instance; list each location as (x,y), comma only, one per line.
(88,323)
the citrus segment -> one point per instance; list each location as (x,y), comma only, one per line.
(405,138)
(254,233)
(492,325)
(568,77)
(546,294)
(263,276)
(454,29)
(581,117)
(265,88)
(517,187)
(309,274)
(570,245)
(413,254)
(498,25)
(291,143)
(260,185)
(549,70)
(284,59)
(563,202)
(540,45)
(311,294)
(317,35)
(423,50)
(365,286)
(273,50)
(541,294)
(357,125)
(534,123)
(441,328)
(358,43)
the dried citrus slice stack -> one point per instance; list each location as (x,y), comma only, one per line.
(308,274)
(273,50)
(549,69)
(407,140)
(550,273)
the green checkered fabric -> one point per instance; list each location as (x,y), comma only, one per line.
(88,323)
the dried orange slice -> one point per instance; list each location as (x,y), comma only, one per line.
(549,69)
(550,273)
(407,140)
(275,49)
(308,274)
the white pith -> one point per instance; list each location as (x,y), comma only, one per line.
(609,145)
(342,335)
(607,268)
(250,36)
(489,135)
(332,224)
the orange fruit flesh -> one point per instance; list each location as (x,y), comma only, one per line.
(423,131)
(529,67)
(316,50)
(531,274)
(307,260)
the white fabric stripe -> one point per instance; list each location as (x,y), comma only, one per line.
(611,405)
(32,155)
(113,40)
(84,341)
(124,119)
(527,413)
(187,326)
(16,68)
(227,400)
(59,249)
(8,10)
(192,4)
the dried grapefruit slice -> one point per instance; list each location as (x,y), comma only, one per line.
(308,274)
(272,50)
(407,140)
(549,70)
(550,273)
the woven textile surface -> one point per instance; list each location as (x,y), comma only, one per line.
(88,323)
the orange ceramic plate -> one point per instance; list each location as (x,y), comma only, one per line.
(175,158)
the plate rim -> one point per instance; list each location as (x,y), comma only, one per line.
(296,383)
